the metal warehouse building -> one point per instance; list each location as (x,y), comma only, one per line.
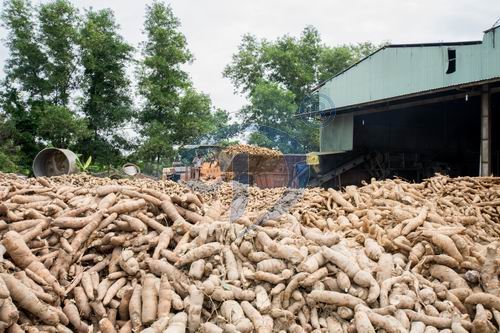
(412,110)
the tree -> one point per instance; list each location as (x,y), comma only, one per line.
(247,65)
(225,128)
(298,64)
(194,120)
(25,66)
(173,113)
(333,60)
(293,62)
(25,84)
(194,117)
(158,146)
(270,105)
(362,50)
(58,35)
(9,153)
(106,102)
(40,76)
(290,61)
(277,77)
(272,114)
(161,78)
(60,127)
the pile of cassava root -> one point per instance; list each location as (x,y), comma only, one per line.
(132,256)
(252,150)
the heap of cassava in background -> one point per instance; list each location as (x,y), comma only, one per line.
(252,150)
(125,256)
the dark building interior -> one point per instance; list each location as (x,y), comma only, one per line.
(414,142)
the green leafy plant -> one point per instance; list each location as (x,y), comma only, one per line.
(83,166)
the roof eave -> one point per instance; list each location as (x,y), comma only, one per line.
(349,108)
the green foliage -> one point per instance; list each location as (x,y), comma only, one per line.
(247,65)
(290,61)
(24,84)
(297,64)
(160,80)
(105,55)
(109,154)
(20,127)
(228,143)
(276,76)
(363,50)
(39,75)
(106,101)
(9,153)
(47,45)
(262,140)
(60,127)
(58,34)
(270,104)
(7,164)
(293,62)
(173,112)
(156,149)
(83,166)
(25,66)
(225,129)
(272,112)
(333,60)
(66,85)
(194,117)
(161,77)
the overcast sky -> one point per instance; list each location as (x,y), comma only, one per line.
(214,27)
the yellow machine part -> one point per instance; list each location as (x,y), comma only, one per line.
(312,159)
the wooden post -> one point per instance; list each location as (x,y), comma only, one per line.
(485,132)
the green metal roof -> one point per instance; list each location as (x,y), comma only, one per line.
(405,69)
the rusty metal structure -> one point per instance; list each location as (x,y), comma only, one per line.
(251,169)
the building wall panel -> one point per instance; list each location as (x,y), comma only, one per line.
(402,70)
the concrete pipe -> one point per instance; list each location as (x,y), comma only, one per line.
(131,169)
(54,162)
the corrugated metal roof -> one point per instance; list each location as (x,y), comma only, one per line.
(405,69)
(394,46)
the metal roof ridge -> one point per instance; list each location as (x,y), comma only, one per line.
(472,42)
(495,26)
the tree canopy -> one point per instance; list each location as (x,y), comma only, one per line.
(172,112)
(276,76)
(72,81)
(106,102)
(68,84)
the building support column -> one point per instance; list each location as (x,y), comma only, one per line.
(485,169)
